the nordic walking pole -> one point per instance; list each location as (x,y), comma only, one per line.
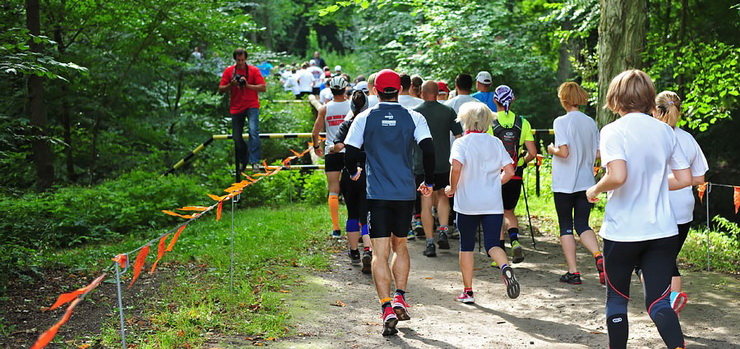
(529,217)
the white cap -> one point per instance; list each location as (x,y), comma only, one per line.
(338,83)
(361,86)
(484,77)
(338,68)
(312,62)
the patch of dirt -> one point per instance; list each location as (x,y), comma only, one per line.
(340,308)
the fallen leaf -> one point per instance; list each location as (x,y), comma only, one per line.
(339,303)
(284,291)
(429,278)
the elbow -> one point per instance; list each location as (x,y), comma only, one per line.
(697,180)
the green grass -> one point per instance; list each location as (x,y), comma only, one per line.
(274,249)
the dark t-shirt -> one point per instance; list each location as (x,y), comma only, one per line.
(441,120)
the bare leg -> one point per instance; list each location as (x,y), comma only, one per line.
(401,262)
(467,262)
(443,207)
(380,267)
(427,219)
(568,242)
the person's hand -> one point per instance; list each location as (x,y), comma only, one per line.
(357,175)
(449,192)
(592,194)
(319,151)
(425,190)
(550,148)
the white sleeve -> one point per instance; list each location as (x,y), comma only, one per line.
(561,137)
(677,161)
(456,153)
(421,131)
(357,131)
(611,145)
(699,164)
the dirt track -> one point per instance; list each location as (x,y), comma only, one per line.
(547,314)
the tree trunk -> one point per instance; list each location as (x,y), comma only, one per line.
(36,108)
(681,41)
(565,69)
(622,33)
(65,112)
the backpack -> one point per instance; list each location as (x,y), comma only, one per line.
(510,137)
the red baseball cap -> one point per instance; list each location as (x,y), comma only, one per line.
(442,87)
(388,81)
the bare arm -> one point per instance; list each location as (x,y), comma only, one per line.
(697,180)
(531,151)
(225,88)
(680,179)
(318,126)
(561,151)
(616,175)
(508,173)
(454,178)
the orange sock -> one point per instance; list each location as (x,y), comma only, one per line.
(596,254)
(334,209)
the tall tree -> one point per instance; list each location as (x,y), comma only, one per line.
(622,39)
(36,108)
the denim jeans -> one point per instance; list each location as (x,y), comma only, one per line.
(253,154)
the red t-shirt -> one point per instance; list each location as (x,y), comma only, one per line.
(243,98)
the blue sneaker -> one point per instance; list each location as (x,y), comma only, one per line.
(336,234)
(411,235)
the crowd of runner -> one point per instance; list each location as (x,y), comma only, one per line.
(413,157)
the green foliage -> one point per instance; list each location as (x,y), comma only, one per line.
(721,249)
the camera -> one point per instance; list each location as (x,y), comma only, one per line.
(238,78)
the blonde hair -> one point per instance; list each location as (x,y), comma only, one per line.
(631,91)
(668,107)
(572,95)
(476,116)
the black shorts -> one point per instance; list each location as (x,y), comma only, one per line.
(333,162)
(510,193)
(386,217)
(441,180)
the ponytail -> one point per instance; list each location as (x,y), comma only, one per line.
(668,107)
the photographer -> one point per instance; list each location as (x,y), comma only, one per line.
(243,81)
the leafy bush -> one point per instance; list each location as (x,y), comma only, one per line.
(723,249)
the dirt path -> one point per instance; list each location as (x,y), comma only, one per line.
(547,314)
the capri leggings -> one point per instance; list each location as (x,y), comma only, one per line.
(683,233)
(657,258)
(355,197)
(468,225)
(573,209)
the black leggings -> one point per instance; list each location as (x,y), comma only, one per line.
(355,197)
(572,208)
(683,233)
(657,259)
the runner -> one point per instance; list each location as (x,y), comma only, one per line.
(514,131)
(304,78)
(639,226)
(404,97)
(441,121)
(318,76)
(477,161)
(416,82)
(682,201)
(444,91)
(330,116)
(463,86)
(574,153)
(388,132)
(372,98)
(483,83)
(354,192)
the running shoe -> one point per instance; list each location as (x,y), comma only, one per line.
(401,308)
(512,285)
(430,251)
(600,268)
(517,252)
(443,242)
(411,235)
(453,233)
(679,302)
(418,228)
(336,234)
(465,298)
(571,278)
(389,321)
(354,257)
(367,258)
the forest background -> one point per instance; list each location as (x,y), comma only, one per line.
(99,98)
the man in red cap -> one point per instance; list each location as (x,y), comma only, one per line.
(388,132)
(444,91)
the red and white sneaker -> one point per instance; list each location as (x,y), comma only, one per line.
(679,302)
(600,268)
(401,308)
(389,322)
(465,298)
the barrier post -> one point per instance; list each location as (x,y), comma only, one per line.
(709,190)
(120,305)
(231,264)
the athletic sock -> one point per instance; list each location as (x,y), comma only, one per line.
(504,266)
(514,234)
(334,209)
(430,241)
(597,254)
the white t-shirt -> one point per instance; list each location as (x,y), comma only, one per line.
(408,101)
(640,209)
(576,172)
(305,79)
(285,79)
(335,113)
(325,96)
(682,200)
(318,75)
(456,102)
(479,189)
(372,100)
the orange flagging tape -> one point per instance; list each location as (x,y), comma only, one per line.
(219,210)
(47,336)
(186,216)
(66,297)
(736,198)
(701,189)
(121,259)
(194,208)
(140,259)
(160,252)
(174,238)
